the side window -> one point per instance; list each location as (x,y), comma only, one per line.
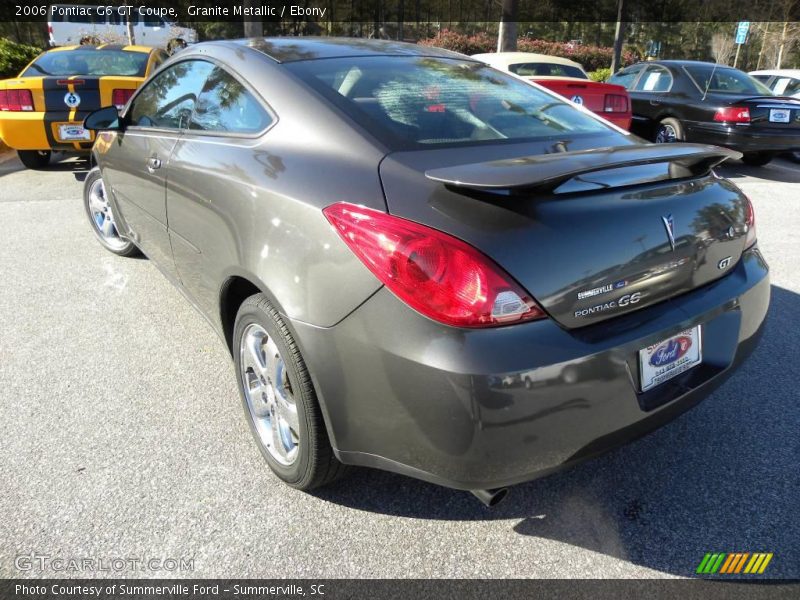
(786,86)
(655,79)
(225,105)
(626,77)
(168,100)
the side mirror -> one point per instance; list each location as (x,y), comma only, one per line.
(104,119)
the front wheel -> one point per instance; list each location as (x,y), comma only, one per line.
(279,398)
(756,159)
(101,217)
(34,159)
(669,131)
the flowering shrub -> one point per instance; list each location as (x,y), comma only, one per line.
(13,57)
(591,57)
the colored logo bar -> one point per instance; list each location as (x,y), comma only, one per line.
(732,563)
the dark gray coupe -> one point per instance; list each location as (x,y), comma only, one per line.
(425,265)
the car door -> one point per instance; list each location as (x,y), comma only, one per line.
(652,90)
(215,173)
(137,166)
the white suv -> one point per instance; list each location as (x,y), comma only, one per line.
(149,30)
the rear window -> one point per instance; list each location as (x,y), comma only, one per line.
(724,80)
(89,62)
(425,101)
(546,70)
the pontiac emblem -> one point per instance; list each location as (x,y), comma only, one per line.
(577,100)
(670,227)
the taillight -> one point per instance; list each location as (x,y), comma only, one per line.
(16,100)
(434,273)
(120,97)
(750,224)
(732,114)
(616,103)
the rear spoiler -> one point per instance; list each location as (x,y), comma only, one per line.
(546,172)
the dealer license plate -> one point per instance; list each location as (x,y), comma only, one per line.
(670,358)
(779,115)
(73,132)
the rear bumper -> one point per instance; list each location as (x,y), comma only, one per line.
(743,138)
(447,405)
(38,131)
(622,121)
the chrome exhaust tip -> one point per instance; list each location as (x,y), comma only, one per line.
(491,498)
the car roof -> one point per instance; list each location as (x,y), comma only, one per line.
(679,63)
(511,58)
(778,72)
(101,47)
(291,49)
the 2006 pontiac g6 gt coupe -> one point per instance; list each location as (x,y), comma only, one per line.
(425,265)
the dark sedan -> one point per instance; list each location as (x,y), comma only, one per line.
(681,100)
(389,238)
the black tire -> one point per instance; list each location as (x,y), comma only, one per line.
(757,159)
(669,131)
(34,159)
(116,244)
(315,464)
(795,156)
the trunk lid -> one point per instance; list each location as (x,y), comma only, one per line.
(587,233)
(84,91)
(591,94)
(768,112)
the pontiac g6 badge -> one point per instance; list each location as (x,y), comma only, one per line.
(669,225)
(622,302)
(72,100)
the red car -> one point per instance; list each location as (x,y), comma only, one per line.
(567,78)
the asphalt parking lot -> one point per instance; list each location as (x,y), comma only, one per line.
(122,436)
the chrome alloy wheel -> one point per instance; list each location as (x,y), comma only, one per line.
(269,394)
(666,135)
(102,217)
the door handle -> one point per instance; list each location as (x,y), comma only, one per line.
(153,163)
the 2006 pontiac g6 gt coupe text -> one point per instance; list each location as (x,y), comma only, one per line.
(425,265)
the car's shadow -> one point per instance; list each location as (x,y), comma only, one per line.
(77,165)
(780,170)
(722,477)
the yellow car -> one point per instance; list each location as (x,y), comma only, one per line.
(43,109)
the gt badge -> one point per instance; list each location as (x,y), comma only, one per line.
(72,100)
(724,263)
(577,100)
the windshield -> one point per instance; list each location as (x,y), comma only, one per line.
(546,70)
(425,101)
(724,80)
(89,62)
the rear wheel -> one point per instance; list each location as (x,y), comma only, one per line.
(756,159)
(279,398)
(669,131)
(34,159)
